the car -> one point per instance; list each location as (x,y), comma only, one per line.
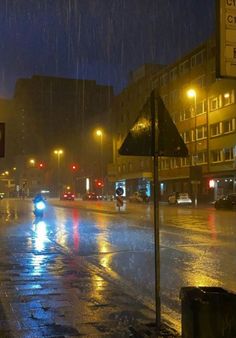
(178,198)
(67,196)
(226,202)
(90,196)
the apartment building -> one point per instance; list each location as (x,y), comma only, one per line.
(206,121)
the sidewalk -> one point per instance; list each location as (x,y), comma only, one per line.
(47,292)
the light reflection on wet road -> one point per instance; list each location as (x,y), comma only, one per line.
(197,245)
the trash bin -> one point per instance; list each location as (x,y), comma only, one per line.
(208,312)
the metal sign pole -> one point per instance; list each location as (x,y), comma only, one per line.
(156,209)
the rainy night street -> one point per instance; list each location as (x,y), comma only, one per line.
(90,253)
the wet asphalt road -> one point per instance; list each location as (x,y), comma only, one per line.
(197,244)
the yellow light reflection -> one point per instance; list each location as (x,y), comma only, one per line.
(142,124)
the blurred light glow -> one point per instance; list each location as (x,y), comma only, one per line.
(211,184)
(99,132)
(191,93)
(87,184)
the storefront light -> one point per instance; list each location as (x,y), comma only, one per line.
(212,184)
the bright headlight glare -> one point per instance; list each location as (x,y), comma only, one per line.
(40,205)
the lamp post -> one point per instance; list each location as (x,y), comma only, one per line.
(58,153)
(192,94)
(99,133)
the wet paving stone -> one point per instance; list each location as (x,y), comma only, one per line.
(49,293)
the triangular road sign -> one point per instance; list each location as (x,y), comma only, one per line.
(139,141)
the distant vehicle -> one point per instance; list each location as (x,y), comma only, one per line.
(67,196)
(2,195)
(90,196)
(226,202)
(138,197)
(179,199)
(39,206)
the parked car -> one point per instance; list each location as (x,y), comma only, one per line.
(179,198)
(138,197)
(68,196)
(90,196)
(226,202)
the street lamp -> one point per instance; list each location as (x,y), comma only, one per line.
(99,133)
(58,153)
(191,93)
(32,162)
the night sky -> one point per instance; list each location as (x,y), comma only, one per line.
(96,39)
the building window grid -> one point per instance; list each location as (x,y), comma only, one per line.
(186,114)
(173,74)
(228,154)
(216,129)
(165,164)
(164,80)
(184,67)
(228,126)
(200,82)
(141,163)
(174,95)
(201,132)
(214,103)
(186,136)
(198,58)
(216,155)
(202,157)
(185,162)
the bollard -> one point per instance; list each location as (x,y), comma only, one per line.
(208,312)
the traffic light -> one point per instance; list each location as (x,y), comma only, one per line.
(74,167)
(41,165)
(99,183)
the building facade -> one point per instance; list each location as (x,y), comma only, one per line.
(206,122)
(61,113)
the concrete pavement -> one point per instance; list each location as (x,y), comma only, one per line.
(47,292)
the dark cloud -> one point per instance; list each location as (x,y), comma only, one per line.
(96,39)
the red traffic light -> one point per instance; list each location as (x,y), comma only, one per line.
(41,165)
(74,167)
(99,183)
